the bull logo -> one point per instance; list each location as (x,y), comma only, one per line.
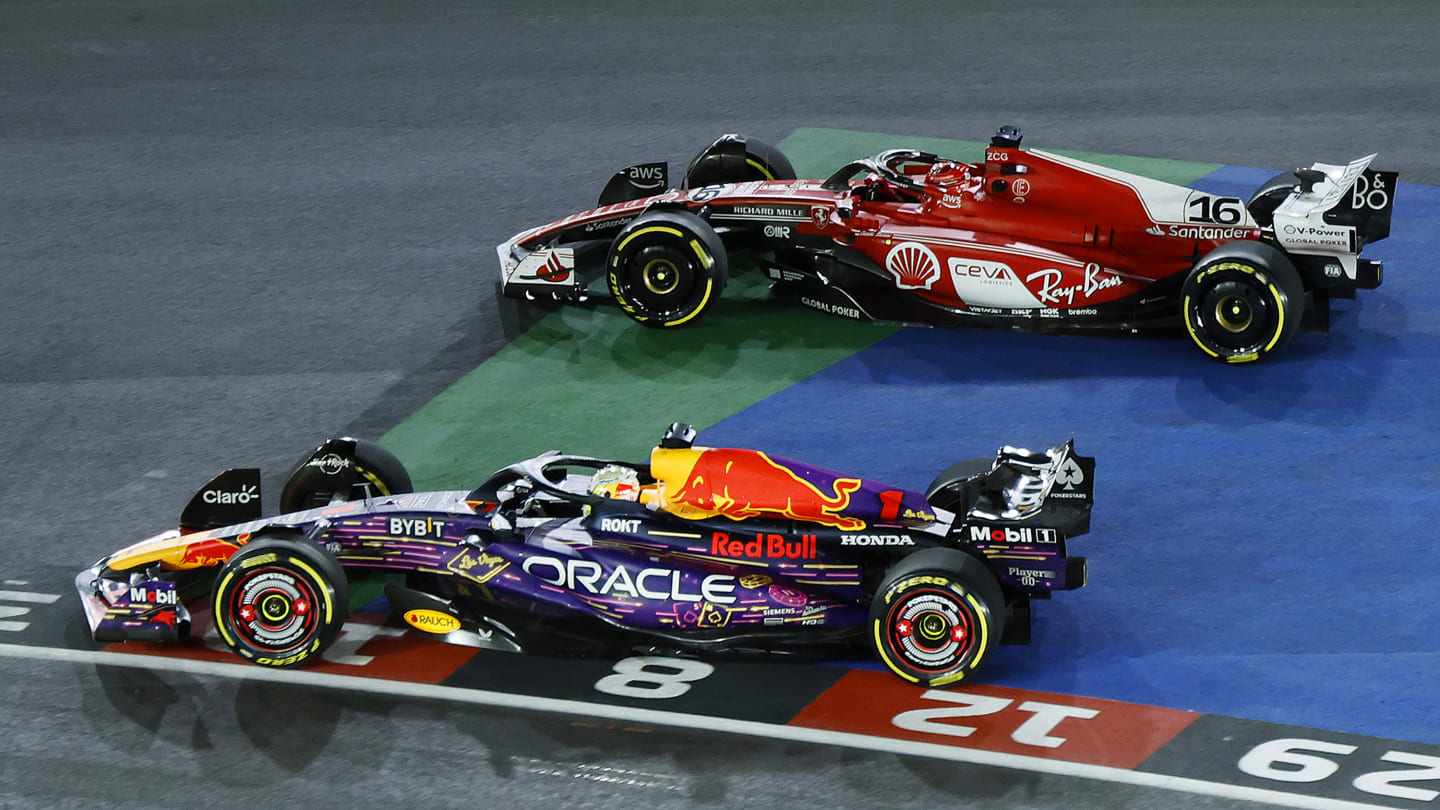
(742,484)
(206,553)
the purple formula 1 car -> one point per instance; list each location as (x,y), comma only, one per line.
(700,551)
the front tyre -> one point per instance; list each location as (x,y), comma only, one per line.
(736,159)
(1242,302)
(280,601)
(937,617)
(337,473)
(666,268)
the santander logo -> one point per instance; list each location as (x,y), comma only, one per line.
(913,266)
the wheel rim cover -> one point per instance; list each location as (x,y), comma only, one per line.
(274,610)
(932,630)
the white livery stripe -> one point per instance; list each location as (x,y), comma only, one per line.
(1153,194)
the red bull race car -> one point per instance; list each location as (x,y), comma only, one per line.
(698,551)
(1025,239)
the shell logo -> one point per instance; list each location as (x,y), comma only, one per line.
(913,265)
(432,621)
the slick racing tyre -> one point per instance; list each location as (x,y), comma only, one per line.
(937,616)
(666,268)
(1242,301)
(1268,197)
(280,600)
(325,476)
(736,159)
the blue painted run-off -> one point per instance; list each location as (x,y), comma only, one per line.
(1264,542)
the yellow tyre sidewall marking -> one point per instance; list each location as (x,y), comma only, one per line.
(219,594)
(325,593)
(1246,357)
(648,229)
(373,479)
(755,164)
(964,670)
(705,258)
(709,287)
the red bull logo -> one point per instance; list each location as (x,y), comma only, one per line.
(773,546)
(741,484)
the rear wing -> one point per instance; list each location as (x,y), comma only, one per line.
(1054,488)
(1336,209)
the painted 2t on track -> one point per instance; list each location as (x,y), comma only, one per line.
(700,551)
(1025,239)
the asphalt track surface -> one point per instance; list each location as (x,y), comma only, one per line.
(228,229)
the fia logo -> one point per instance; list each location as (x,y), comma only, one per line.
(1070,474)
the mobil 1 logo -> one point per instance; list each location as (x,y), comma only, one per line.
(1347,767)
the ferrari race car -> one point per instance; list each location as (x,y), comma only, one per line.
(1023,240)
(700,551)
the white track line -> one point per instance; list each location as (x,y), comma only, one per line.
(27,596)
(678,719)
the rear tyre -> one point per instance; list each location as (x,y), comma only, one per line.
(736,159)
(937,617)
(666,268)
(280,600)
(1268,197)
(1242,302)
(321,478)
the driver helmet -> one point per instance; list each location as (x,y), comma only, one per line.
(945,172)
(616,481)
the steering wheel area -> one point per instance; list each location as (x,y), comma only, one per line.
(542,485)
(886,167)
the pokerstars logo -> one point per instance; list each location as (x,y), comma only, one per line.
(913,266)
(1070,476)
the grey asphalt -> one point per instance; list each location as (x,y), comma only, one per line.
(229,229)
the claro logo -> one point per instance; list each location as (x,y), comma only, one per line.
(244,495)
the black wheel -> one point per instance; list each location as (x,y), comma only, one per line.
(1268,197)
(937,616)
(958,487)
(736,159)
(280,600)
(336,470)
(666,268)
(1242,301)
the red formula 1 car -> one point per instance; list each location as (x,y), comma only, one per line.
(1025,239)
